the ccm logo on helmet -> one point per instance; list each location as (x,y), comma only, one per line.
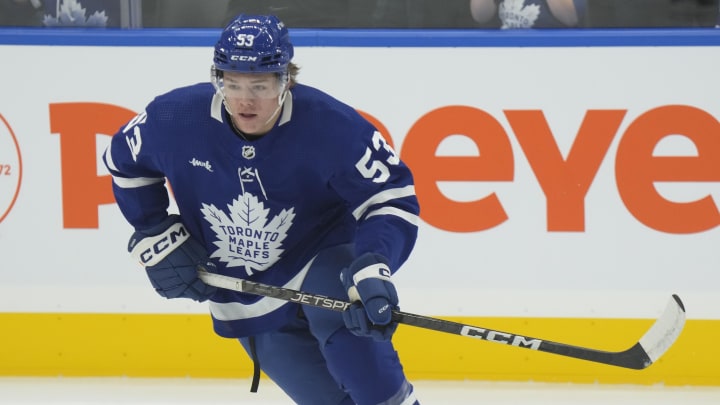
(151,250)
(243,58)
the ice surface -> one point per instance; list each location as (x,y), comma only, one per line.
(109,391)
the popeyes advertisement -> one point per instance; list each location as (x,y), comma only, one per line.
(550,179)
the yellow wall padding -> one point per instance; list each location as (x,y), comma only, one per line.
(163,345)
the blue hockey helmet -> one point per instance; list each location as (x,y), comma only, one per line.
(254,44)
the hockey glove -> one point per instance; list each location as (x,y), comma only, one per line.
(374,297)
(172,258)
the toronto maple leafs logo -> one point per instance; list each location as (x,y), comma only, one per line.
(515,14)
(246,237)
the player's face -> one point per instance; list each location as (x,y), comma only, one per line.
(252,100)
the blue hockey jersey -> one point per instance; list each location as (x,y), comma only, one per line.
(264,208)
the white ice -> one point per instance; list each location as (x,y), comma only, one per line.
(109,391)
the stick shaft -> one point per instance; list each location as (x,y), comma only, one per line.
(636,357)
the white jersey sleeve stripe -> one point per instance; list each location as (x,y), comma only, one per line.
(124,182)
(383,197)
(411,218)
(108,158)
(136,182)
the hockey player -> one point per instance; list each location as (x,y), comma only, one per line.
(279,183)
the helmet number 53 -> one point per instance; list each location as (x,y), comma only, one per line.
(246,40)
(375,169)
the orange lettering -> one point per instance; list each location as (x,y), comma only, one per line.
(565,182)
(83,190)
(495,163)
(636,169)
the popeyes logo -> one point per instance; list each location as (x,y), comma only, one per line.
(10,168)
(564,179)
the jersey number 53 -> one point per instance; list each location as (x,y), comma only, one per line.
(373,168)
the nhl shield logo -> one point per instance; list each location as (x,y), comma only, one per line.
(248,152)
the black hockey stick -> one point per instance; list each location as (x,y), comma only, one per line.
(653,344)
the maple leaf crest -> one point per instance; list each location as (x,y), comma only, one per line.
(515,14)
(72,14)
(245,237)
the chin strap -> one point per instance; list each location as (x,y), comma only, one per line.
(281,100)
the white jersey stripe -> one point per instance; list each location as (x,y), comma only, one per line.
(109,159)
(411,218)
(383,197)
(124,182)
(232,311)
(136,182)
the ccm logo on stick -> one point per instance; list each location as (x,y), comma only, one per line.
(500,337)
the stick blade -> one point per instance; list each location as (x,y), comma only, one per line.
(664,332)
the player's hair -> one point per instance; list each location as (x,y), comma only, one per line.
(292,71)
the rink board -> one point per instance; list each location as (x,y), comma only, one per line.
(138,345)
(507,244)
